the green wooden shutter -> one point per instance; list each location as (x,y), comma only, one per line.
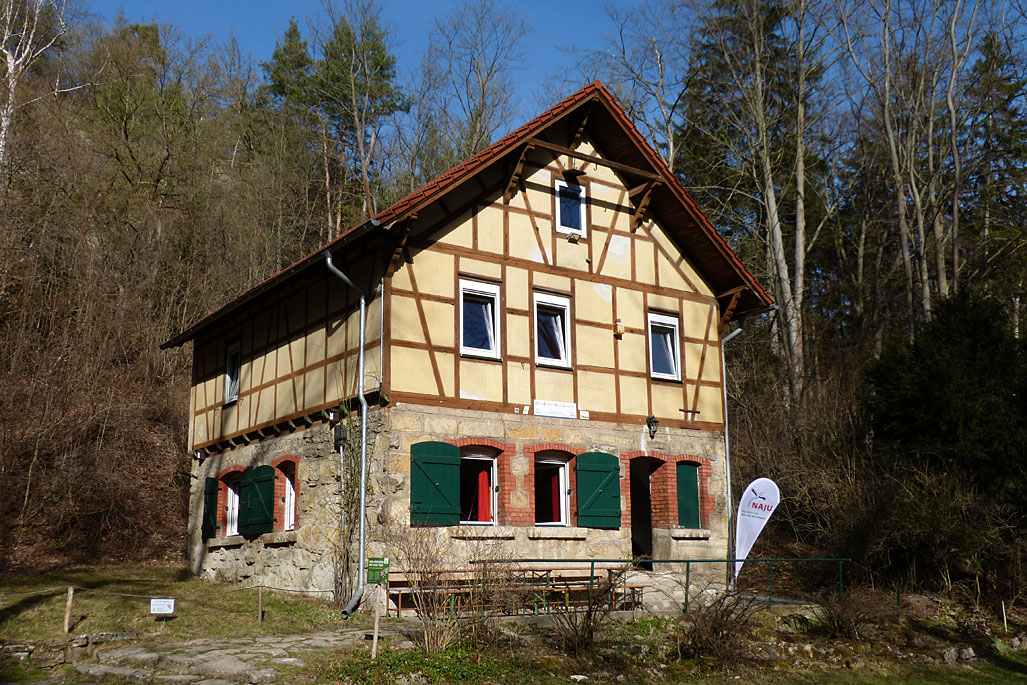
(256,500)
(688,495)
(210,508)
(598,483)
(434,484)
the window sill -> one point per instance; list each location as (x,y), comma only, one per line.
(230,541)
(556,533)
(482,532)
(278,537)
(553,365)
(479,356)
(690,533)
(666,379)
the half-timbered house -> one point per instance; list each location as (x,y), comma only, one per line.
(536,333)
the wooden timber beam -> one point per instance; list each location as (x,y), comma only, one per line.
(616,166)
(398,250)
(647,193)
(580,132)
(515,178)
(732,291)
(729,311)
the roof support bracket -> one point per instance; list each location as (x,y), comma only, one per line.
(515,178)
(736,294)
(579,134)
(646,190)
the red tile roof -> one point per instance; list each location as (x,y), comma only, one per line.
(448,180)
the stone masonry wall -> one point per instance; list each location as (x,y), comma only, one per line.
(515,439)
(304,558)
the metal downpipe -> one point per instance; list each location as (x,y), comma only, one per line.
(727,456)
(355,599)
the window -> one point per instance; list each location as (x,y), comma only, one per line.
(552,330)
(570,208)
(285,494)
(479,319)
(231,505)
(598,486)
(664,354)
(246,506)
(551,490)
(477,491)
(688,495)
(232,365)
(448,487)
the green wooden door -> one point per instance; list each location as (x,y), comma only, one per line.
(210,508)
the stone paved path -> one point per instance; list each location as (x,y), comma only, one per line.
(217,662)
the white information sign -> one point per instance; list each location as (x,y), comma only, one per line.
(162,606)
(758,502)
(556,410)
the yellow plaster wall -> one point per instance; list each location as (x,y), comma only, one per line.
(481,380)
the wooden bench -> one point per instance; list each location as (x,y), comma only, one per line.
(524,589)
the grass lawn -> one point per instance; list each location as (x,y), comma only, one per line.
(118,599)
(644,650)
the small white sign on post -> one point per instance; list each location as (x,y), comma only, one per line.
(162,606)
(758,502)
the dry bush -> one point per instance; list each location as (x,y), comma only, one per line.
(424,561)
(851,615)
(454,605)
(716,629)
(575,626)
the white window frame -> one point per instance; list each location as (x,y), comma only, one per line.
(480,289)
(564,304)
(559,184)
(231,507)
(290,499)
(492,488)
(671,322)
(565,498)
(233,372)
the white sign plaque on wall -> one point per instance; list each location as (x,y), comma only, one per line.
(556,410)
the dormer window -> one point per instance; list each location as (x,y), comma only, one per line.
(570,208)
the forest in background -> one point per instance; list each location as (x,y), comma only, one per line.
(868,161)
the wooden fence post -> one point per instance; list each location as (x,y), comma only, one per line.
(67,610)
(260,604)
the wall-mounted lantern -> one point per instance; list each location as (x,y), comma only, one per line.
(652,423)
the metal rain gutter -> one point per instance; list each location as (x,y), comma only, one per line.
(727,439)
(355,599)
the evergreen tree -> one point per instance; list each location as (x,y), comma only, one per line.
(955,399)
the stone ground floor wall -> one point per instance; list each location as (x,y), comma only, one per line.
(305,558)
(311,556)
(516,439)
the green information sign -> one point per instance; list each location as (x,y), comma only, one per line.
(378,570)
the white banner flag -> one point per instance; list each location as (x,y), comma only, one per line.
(758,502)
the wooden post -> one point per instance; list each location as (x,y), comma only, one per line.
(1005,626)
(377,613)
(67,610)
(260,604)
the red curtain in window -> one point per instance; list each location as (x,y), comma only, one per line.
(484,496)
(555,487)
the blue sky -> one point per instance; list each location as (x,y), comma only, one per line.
(256,24)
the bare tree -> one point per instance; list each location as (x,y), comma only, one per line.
(477,47)
(28,28)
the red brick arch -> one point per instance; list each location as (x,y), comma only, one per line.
(664,488)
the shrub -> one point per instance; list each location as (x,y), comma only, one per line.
(716,629)
(575,626)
